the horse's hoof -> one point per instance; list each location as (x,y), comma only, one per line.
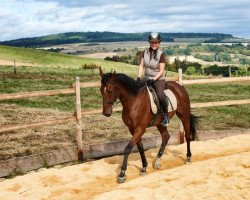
(157,166)
(158,163)
(121,179)
(143,171)
(188,161)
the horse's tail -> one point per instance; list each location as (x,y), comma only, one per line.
(194,120)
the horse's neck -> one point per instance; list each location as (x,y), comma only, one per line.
(127,100)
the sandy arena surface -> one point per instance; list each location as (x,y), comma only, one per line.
(220,170)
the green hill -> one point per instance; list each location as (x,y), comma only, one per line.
(51,59)
(78,37)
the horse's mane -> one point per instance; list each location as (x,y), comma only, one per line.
(132,86)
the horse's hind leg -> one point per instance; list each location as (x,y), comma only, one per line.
(143,158)
(186,125)
(165,137)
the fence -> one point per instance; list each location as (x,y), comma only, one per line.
(77,117)
(81,152)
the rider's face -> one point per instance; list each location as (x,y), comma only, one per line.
(154,45)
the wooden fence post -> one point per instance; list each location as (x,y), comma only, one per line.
(181,126)
(14,66)
(79,120)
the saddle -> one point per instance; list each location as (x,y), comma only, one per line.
(154,101)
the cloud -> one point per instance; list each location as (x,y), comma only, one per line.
(30,18)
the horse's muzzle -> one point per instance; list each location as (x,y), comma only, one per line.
(106,114)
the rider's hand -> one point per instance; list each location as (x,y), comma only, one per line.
(150,82)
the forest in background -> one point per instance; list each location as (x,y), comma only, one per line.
(83,37)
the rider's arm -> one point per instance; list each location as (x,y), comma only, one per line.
(141,68)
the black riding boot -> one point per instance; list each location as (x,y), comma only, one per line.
(165,119)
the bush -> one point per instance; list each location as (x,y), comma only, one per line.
(190,71)
(133,60)
(208,58)
(90,66)
(222,57)
(219,70)
(169,52)
(113,58)
(244,61)
(184,65)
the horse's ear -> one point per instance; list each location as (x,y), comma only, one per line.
(112,75)
(101,72)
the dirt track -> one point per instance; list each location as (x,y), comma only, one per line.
(220,170)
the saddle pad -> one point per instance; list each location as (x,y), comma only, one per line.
(172,102)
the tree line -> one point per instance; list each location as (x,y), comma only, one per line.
(83,37)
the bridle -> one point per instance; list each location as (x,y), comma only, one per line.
(114,94)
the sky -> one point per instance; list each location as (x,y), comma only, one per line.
(31,18)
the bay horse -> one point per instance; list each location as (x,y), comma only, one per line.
(137,114)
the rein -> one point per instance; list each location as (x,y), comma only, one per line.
(143,87)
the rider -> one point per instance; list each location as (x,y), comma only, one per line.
(153,62)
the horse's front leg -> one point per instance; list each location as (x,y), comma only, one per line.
(135,139)
(122,175)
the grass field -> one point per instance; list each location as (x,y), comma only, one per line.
(58,60)
(97,128)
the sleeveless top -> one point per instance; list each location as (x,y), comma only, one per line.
(152,62)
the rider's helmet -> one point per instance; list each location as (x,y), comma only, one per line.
(154,37)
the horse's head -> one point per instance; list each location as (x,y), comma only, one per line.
(109,92)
